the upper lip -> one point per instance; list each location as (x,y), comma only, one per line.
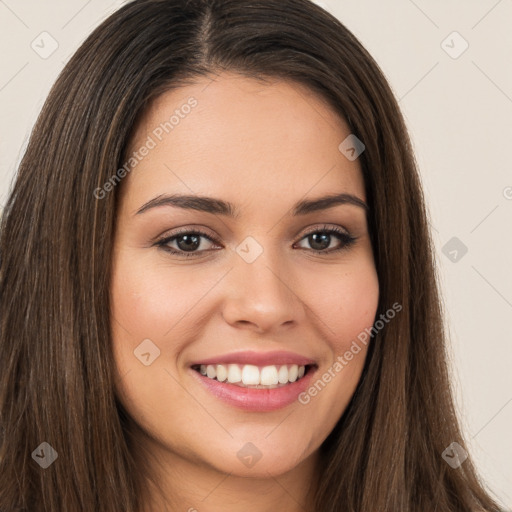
(258,359)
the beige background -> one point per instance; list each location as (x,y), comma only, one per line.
(459,112)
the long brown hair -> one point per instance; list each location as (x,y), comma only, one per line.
(56,367)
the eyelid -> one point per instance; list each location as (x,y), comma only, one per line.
(324,227)
(172,233)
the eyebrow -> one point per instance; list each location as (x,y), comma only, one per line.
(220,207)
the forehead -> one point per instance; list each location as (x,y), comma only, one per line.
(230,132)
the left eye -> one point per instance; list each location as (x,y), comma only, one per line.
(190,243)
(320,240)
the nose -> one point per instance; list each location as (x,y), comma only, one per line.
(262,296)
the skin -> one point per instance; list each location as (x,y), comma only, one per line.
(262,147)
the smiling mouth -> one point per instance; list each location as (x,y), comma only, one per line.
(255,377)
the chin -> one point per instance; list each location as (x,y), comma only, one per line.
(259,458)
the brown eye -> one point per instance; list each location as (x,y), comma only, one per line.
(186,243)
(320,240)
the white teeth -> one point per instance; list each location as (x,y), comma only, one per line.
(234,373)
(222,373)
(251,375)
(211,372)
(282,376)
(269,376)
(294,372)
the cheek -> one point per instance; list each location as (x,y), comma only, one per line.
(150,304)
(346,305)
(149,301)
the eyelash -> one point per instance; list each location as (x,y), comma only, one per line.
(346,239)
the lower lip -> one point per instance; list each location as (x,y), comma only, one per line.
(256,400)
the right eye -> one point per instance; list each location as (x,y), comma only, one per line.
(186,242)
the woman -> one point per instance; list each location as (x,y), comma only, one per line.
(217,280)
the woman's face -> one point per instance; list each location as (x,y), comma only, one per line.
(265,290)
